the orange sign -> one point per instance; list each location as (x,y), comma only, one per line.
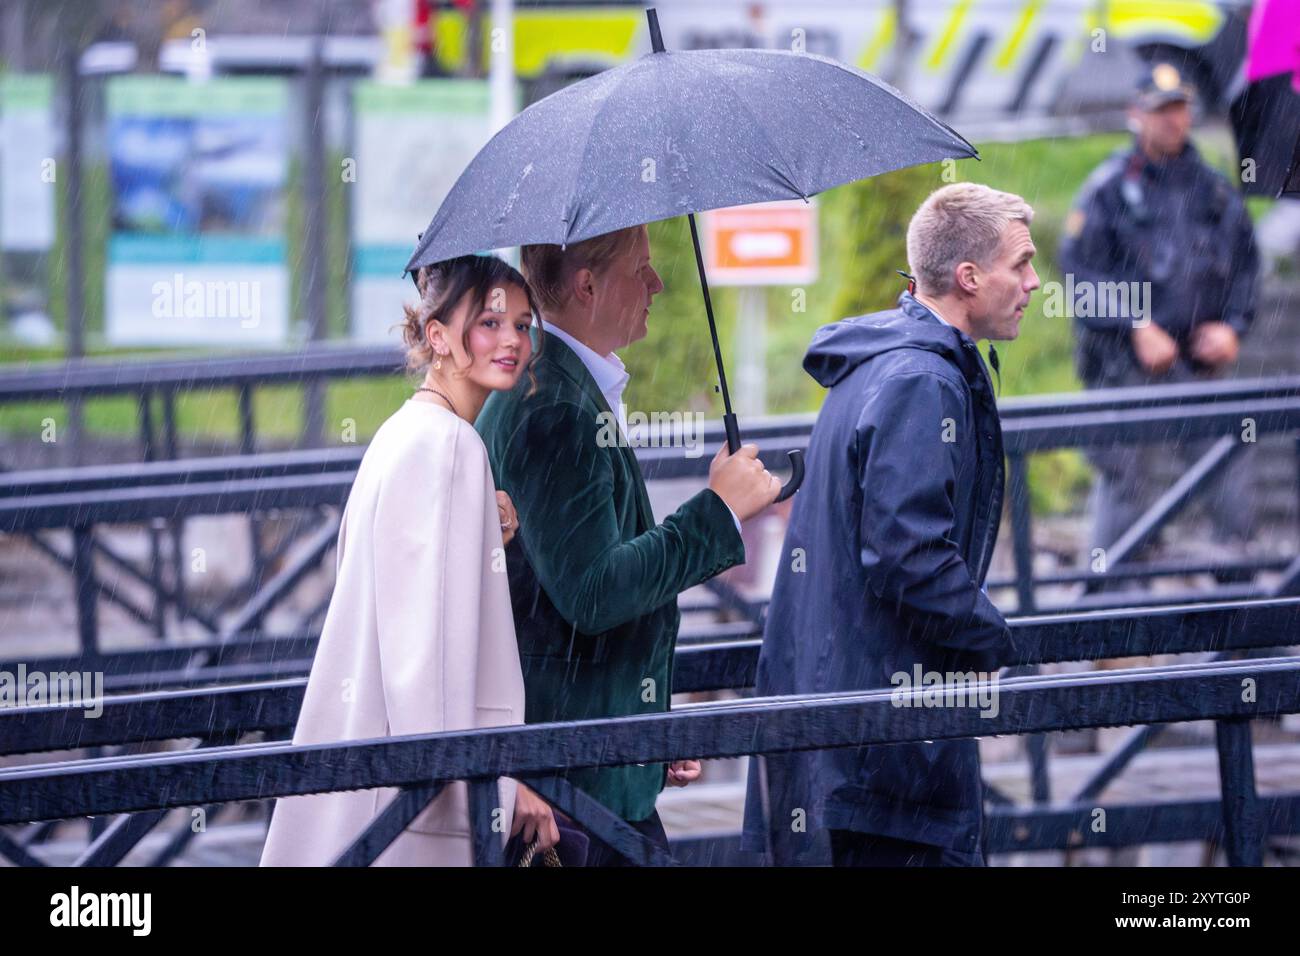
(771,243)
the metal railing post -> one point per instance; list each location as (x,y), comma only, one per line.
(1243,841)
(148,449)
(1022,535)
(86,588)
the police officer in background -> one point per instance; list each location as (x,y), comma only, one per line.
(1156,213)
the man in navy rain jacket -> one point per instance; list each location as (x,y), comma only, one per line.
(889,542)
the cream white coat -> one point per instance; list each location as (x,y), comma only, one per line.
(418,638)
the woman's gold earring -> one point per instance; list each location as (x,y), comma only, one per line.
(437,366)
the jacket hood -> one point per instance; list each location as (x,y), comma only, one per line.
(837,349)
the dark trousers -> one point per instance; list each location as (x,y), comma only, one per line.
(850,848)
(600,854)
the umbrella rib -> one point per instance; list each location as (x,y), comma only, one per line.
(787,172)
(569,211)
(892,91)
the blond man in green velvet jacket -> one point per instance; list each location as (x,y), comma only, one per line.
(594,580)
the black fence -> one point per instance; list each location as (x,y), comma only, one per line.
(145,788)
(163,491)
(243,683)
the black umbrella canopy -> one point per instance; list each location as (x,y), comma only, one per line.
(673,133)
(1265,119)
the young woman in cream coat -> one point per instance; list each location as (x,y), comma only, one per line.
(419,635)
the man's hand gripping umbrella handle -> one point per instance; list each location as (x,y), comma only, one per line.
(795,455)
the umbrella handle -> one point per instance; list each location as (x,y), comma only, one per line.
(796,474)
(795,455)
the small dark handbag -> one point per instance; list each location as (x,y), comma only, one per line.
(570,851)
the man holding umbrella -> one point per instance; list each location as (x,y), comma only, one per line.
(665,135)
(888,545)
(593,579)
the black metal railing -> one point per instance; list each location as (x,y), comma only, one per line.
(317,480)
(170,688)
(144,788)
(225,713)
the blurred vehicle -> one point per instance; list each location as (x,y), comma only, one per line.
(999,68)
(968,60)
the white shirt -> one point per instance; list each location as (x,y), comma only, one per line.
(611,377)
(610,373)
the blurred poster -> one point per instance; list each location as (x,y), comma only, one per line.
(197,252)
(28,173)
(412,143)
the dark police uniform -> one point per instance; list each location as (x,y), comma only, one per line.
(1183,228)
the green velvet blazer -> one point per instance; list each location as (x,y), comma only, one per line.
(593,580)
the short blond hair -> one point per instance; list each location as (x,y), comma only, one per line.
(959,223)
(549,267)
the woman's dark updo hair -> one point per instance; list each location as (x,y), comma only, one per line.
(443,286)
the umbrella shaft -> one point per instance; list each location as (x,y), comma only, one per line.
(733,431)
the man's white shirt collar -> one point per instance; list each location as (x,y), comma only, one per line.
(610,373)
